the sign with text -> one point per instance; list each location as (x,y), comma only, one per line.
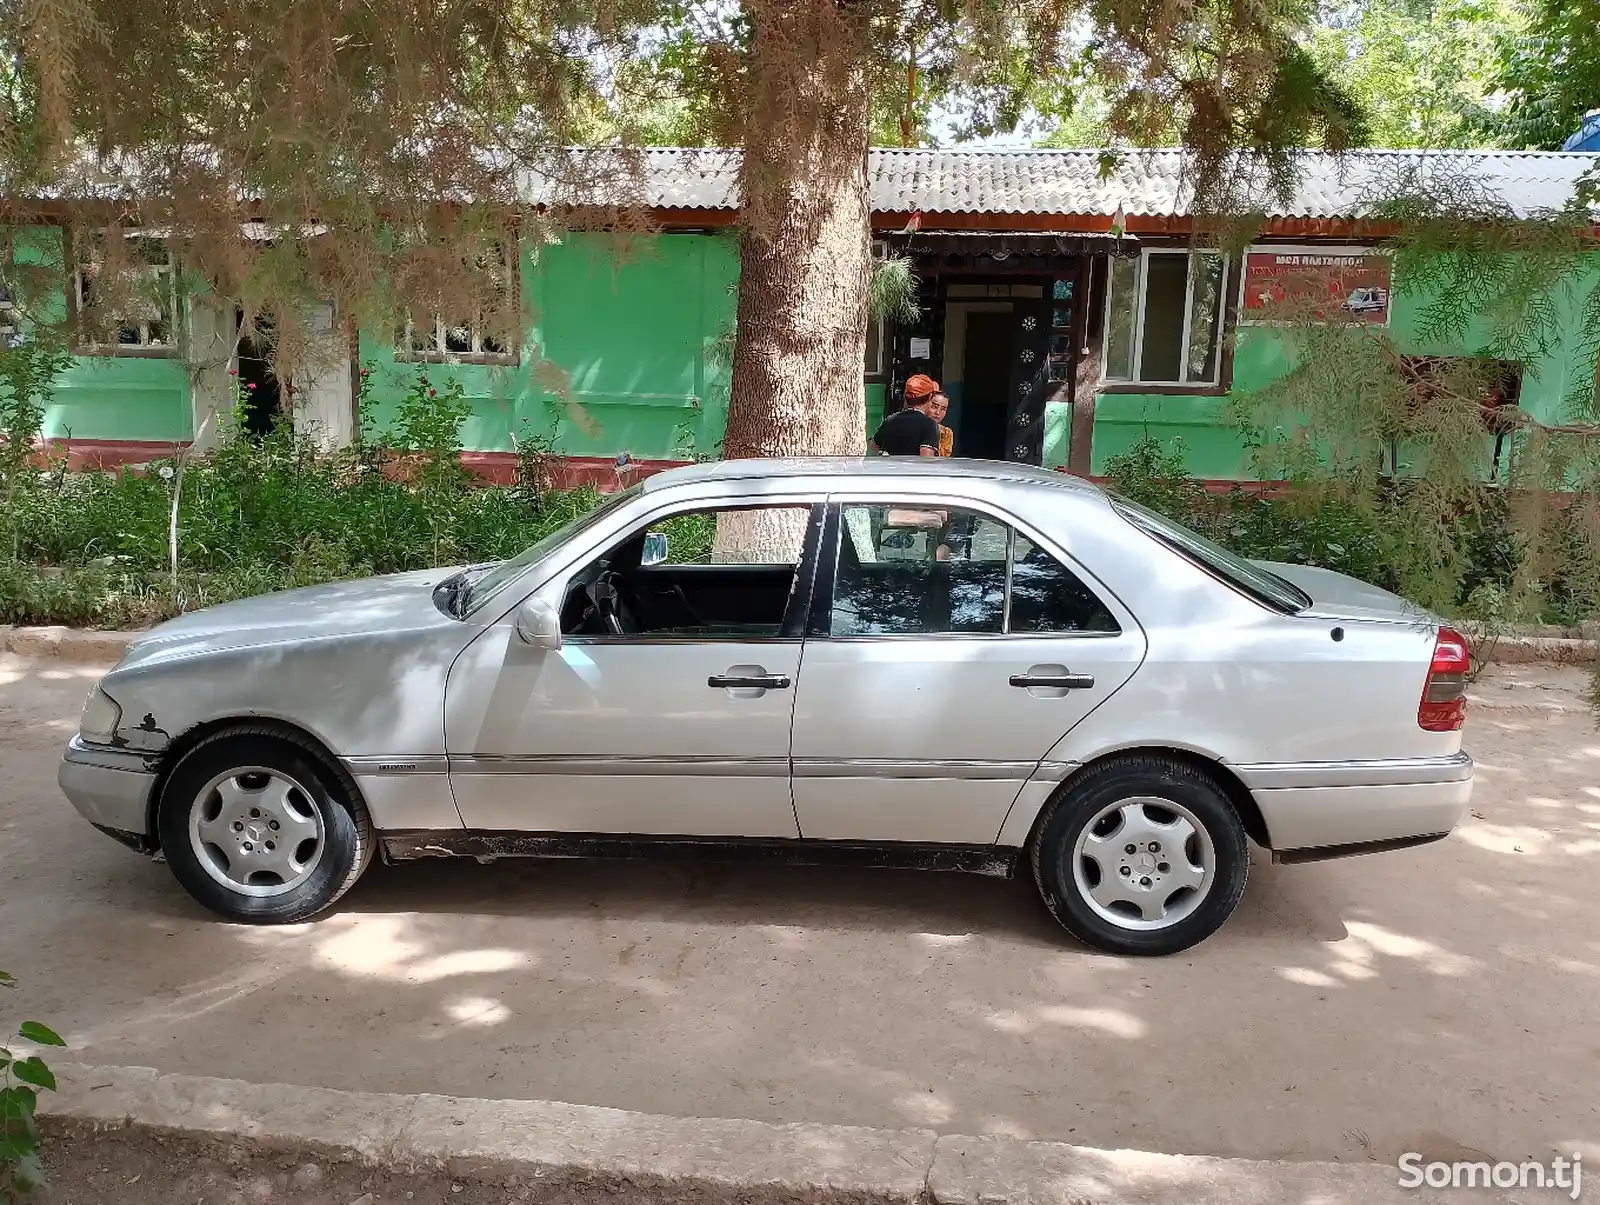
(1319,284)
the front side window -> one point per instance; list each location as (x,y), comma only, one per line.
(923,571)
(1164,318)
(714,574)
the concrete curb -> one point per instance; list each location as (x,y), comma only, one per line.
(66,644)
(711,1159)
(1526,650)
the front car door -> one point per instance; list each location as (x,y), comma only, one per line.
(950,649)
(667,708)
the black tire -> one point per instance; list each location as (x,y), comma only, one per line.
(346,830)
(1107,783)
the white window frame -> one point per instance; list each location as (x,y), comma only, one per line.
(434,348)
(10,317)
(877,368)
(167,270)
(1136,378)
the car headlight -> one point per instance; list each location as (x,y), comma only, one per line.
(100,718)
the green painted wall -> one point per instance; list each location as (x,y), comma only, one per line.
(108,397)
(637,330)
(875,401)
(1213,448)
(122,398)
(631,331)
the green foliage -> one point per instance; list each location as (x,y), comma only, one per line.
(893,292)
(1549,70)
(1318,522)
(428,426)
(1422,71)
(1154,476)
(267,514)
(21,1081)
(27,381)
(1411,441)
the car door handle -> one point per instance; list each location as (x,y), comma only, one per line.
(748,682)
(1053,681)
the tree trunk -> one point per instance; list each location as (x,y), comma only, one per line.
(806,238)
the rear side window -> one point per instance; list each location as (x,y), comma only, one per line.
(1046,596)
(1261,584)
(924,571)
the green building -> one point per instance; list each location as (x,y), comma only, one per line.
(1061,309)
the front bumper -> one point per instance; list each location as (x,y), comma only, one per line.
(110,788)
(1357,806)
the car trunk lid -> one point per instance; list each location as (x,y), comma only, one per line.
(1338,596)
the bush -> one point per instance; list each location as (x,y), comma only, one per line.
(94,549)
(259,514)
(1316,524)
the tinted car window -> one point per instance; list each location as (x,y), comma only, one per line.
(910,571)
(1046,596)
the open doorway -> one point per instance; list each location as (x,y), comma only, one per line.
(985,385)
(263,393)
(1008,353)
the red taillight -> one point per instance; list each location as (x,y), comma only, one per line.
(1444,694)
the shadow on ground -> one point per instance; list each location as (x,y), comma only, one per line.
(1437,1000)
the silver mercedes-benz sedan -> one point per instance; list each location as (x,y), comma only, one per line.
(929,663)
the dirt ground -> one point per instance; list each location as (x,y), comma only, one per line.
(135,1167)
(1441,999)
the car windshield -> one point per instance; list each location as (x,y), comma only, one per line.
(1244,575)
(501,575)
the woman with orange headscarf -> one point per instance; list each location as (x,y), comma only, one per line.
(947,437)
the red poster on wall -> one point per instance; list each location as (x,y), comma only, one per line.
(1323,284)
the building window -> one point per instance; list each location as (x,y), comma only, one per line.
(138,315)
(468,342)
(1164,318)
(10,317)
(469,339)
(875,325)
(874,347)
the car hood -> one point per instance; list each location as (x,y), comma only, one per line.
(1340,596)
(396,602)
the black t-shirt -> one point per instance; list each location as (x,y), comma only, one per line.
(906,432)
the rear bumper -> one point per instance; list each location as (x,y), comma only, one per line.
(109,787)
(1360,805)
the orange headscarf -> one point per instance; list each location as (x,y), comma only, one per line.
(920,386)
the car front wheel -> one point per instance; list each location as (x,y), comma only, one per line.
(1141,855)
(260,829)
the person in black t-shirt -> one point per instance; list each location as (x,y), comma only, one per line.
(911,430)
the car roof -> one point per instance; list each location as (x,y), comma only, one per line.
(919,468)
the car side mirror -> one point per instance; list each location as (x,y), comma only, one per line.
(655,549)
(539,624)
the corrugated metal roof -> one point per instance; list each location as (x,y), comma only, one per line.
(1146,183)
(1069,182)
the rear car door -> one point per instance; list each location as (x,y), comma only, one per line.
(949,649)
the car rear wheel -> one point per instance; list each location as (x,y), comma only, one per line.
(258,827)
(1141,855)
